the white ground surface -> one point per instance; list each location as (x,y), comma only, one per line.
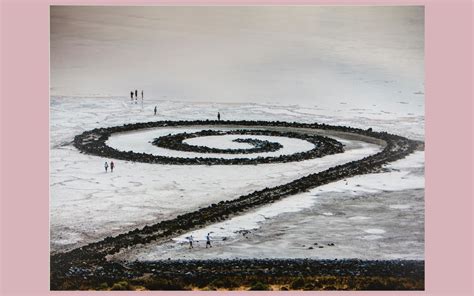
(374,216)
(88,204)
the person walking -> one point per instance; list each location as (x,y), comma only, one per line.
(190,240)
(136,96)
(106,166)
(112,165)
(131,96)
(218,116)
(155,110)
(208,240)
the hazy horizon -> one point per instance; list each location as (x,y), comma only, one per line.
(282,54)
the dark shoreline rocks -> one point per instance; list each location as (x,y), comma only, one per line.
(231,273)
(94,255)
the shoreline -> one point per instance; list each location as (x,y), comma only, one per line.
(249,274)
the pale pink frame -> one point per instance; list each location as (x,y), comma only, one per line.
(24,255)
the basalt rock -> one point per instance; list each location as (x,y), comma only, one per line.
(94,142)
(211,271)
(175,142)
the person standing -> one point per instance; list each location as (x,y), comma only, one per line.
(112,165)
(155,110)
(136,96)
(106,166)
(190,240)
(142,94)
(218,116)
(131,96)
(208,240)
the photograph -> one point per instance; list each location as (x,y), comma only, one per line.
(236,148)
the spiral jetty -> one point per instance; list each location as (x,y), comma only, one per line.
(87,267)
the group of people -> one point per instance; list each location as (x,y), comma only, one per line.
(191,241)
(132,93)
(112,166)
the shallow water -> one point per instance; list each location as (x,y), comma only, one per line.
(371,57)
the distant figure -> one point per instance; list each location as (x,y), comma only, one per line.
(142,94)
(155,110)
(190,240)
(136,94)
(112,165)
(208,241)
(218,116)
(106,166)
(131,95)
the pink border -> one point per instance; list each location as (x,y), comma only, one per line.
(24,109)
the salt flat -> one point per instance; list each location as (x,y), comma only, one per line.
(374,216)
(88,204)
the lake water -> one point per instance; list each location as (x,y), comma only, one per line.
(366,56)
